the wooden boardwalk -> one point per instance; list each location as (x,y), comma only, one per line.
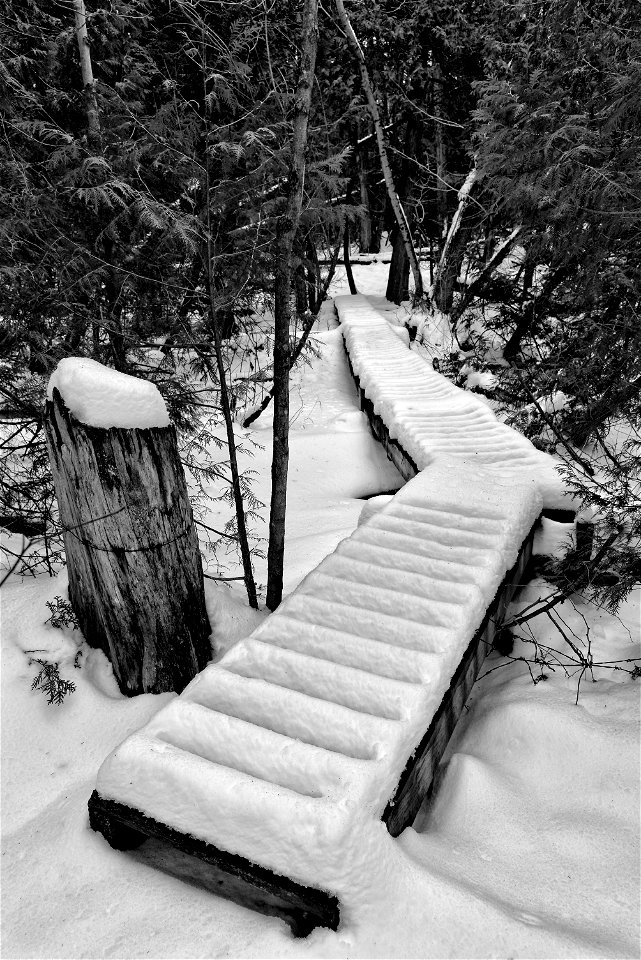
(276,763)
(419,411)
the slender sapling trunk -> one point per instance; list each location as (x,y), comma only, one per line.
(282,304)
(91,103)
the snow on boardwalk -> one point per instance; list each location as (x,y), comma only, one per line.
(426,414)
(288,749)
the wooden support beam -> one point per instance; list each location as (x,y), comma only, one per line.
(395,452)
(234,877)
(418,778)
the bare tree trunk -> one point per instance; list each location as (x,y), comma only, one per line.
(93,116)
(441,155)
(248,573)
(395,203)
(135,572)
(282,304)
(449,264)
(399,271)
(346,261)
(365,240)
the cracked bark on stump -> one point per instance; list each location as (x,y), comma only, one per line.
(135,571)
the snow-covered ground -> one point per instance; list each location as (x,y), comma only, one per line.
(530,848)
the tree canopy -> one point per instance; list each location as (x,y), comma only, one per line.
(151,208)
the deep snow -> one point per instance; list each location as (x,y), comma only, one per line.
(529,850)
(287,749)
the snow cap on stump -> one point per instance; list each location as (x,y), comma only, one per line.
(102,397)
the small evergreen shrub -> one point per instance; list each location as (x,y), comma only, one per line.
(62,614)
(48,680)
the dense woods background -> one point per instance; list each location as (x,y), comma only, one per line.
(177,187)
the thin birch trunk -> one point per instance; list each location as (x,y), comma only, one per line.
(282,305)
(395,203)
(88,85)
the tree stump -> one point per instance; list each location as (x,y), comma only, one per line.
(135,571)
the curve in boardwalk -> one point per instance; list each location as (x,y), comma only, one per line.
(276,764)
(426,414)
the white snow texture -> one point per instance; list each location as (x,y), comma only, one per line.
(102,397)
(288,749)
(427,414)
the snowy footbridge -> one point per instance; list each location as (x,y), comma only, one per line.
(280,765)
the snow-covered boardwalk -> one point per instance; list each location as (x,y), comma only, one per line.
(428,415)
(287,751)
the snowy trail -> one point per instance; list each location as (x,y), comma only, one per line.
(429,415)
(518,857)
(288,749)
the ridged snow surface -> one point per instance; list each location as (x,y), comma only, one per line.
(428,415)
(287,750)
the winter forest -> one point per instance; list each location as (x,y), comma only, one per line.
(320,478)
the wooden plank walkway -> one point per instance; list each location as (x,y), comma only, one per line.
(417,410)
(275,764)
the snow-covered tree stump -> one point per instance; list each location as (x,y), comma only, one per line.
(135,571)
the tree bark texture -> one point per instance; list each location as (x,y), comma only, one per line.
(135,571)
(440,150)
(91,104)
(283,307)
(365,238)
(395,203)
(398,277)
(346,260)
(399,271)
(453,249)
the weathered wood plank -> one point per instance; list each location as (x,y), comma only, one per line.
(135,571)
(399,457)
(234,877)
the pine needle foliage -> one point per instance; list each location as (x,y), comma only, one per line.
(49,681)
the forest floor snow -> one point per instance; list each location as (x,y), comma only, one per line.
(530,848)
